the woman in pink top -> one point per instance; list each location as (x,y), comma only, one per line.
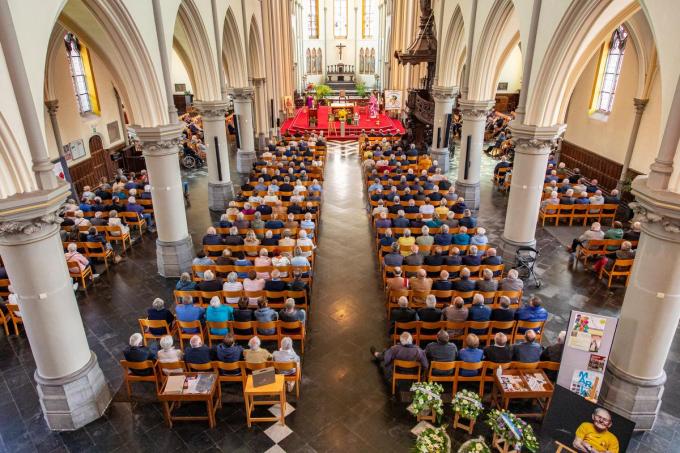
(74,256)
(263,260)
(252,283)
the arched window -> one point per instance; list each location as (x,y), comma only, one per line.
(372,65)
(308,56)
(369,18)
(612,70)
(319,61)
(82,75)
(313,69)
(340,18)
(313,19)
(361,61)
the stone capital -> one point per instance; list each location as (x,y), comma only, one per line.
(258,81)
(640,105)
(657,210)
(475,110)
(534,139)
(443,94)
(212,109)
(31,216)
(52,106)
(242,94)
(160,140)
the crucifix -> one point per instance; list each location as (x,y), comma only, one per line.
(340,47)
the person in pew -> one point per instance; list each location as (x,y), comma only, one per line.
(528,351)
(185,283)
(169,354)
(596,200)
(443,238)
(263,260)
(402,313)
(98,219)
(564,187)
(264,313)
(472,258)
(499,351)
(553,200)
(304,241)
(471,353)
(287,354)
(198,353)
(615,232)
(202,260)
(291,314)
(532,312)
(242,262)
(251,240)
(553,353)
(133,206)
(257,224)
(436,258)
(210,283)
(491,259)
(286,240)
(594,233)
(443,283)
(634,233)
(461,238)
(218,312)
(425,239)
(454,258)
(299,259)
(464,284)
(188,312)
(255,353)
(275,284)
(397,282)
(211,237)
(468,221)
(404,350)
(97,205)
(252,283)
(460,206)
(229,351)
(487,284)
(232,284)
(225,259)
(416,258)
(290,223)
(503,312)
(568,197)
(512,282)
(592,186)
(582,198)
(421,282)
(430,313)
(411,207)
(479,312)
(626,252)
(441,351)
(387,239)
(401,221)
(383,221)
(613,197)
(137,352)
(434,222)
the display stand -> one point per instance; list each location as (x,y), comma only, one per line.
(458,423)
(503,446)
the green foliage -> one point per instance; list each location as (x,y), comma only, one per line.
(361,89)
(322,91)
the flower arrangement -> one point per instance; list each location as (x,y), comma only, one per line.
(342,114)
(474,446)
(512,429)
(427,398)
(467,404)
(433,440)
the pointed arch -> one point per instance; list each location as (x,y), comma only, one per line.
(15,172)
(192,44)
(308,57)
(362,61)
(319,61)
(233,57)
(488,55)
(453,45)
(255,50)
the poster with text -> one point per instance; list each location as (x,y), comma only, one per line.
(393,100)
(586,351)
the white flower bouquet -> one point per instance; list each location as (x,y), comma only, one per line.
(433,440)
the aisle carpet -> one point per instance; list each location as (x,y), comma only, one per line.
(383,124)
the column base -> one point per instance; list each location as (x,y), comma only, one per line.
(175,257)
(245,160)
(219,194)
(636,399)
(508,249)
(441,155)
(469,192)
(73,401)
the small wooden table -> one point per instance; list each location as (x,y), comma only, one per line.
(276,389)
(519,380)
(212,400)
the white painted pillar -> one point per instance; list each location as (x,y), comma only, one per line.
(220,187)
(71,386)
(444,101)
(532,147)
(640,105)
(634,382)
(243,108)
(174,248)
(470,156)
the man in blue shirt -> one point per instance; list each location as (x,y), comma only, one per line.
(479,312)
(532,312)
(461,238)
(188,312)
(198,353)
(529,351)
(132,206)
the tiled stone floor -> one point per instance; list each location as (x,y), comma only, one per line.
(344,405)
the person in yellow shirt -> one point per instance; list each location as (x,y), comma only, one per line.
(442,210)
(405,242)
(595,437)
(425,162)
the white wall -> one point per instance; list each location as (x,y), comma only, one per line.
(608,135)
(511,73)
(179,72)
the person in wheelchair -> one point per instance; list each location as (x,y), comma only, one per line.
(189,151)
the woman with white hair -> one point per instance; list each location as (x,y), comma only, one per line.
(487,284)
(74,256)
(594,233)
(425,239)
(232,211)
(80,220)
(137,352)
(158,312)
(256,354)
(232,284)
(308,225)
(252,241)
(218,312)
(287,354)
(263,260)
(114,220)
(211,237)
(512,283)
(479,238)
(304,241)
(289,313)
(168,354)
(271,196)
(185,283)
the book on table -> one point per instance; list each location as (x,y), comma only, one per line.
(174,385)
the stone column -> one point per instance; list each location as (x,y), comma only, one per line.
(470,157)
(444,100)
(261,117)
(52,108)
(640,105)
(635,377)
(71,386)
(174,249)
(243,108)
(532,146)
(220,187)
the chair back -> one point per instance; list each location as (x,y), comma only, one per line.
(523,366)
(200,366)
(443,367)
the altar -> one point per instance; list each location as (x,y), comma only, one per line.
(337,106)
(340,73)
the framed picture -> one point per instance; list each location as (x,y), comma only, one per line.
(393,99)
(114,131)
(502,86)
(77,149)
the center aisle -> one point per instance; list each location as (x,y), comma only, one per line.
(344,404)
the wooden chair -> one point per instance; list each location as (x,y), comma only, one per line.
(507,327)
(403,376)
(130,376)
(294,330)
(115,233)
(579,213)
(479,328)
(514,365)
(199,366)
(441,366)
(247,326)
(97,250)
(269,325)
(4,285)
(222,368)
(182,325)
(15,316)
(5,320)
(146,325)
(522,326)
(300,295)
(621,268)
(489,371)
(135,220)
(412,327)
(210,325)
(432,327)
(296,377)
(476,366)
(166,369)
(81,274)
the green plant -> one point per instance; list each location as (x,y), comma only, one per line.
(433,440)
(322,91)
(427,397)
(361,90)
(467,404)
